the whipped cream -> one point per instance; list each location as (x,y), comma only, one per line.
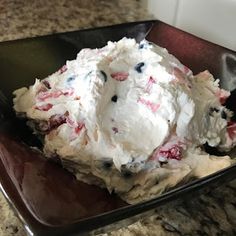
(128,103)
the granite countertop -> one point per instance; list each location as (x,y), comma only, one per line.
(210,214)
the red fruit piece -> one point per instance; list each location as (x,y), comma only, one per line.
(175,152)
(69,121)
(55,121)
(70,92)
(46,84)
(45,107)
(115,130)
(153,106)
(42,96)
(150,83)
(120,76)
(63,69)
(222,95)
(79,128)
(231,129)
(186,70)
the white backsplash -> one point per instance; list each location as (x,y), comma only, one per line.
(213,20)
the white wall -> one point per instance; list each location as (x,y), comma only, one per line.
(164,10)
(214,20)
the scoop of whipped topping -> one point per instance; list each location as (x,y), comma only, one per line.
(129,103)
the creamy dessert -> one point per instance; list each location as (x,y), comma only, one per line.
(130,117)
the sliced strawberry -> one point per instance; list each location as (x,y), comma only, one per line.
(151,105)
(42,96)
(45,107)
(175,152)
(79,128)
(120,76)
(150,83)
(55,121)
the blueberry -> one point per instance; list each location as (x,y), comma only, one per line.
(141,46)
(139,66)
(126,174)
(135,167)
(223,115)
(70,79)
(86,76)
(144,44)
(107,165)
(104,75)
(114,98)
(213,109)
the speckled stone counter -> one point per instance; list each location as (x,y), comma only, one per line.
(210,214)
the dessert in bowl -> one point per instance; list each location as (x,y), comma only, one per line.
(131,118)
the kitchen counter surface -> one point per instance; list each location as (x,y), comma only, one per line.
(210,214)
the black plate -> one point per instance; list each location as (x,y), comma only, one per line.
(48,199)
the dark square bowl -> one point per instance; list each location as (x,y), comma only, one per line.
(48,199)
